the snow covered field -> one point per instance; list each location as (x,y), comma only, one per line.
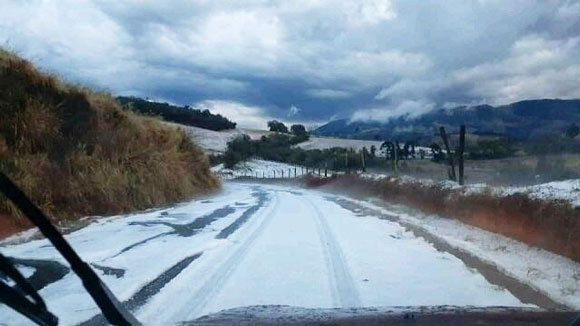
(263,244)
(216,141)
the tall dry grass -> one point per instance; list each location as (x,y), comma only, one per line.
(77,153)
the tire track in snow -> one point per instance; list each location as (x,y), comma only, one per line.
(262,201)
(493,274)
(344,292)
(147,291)
(214,284)
(182,230)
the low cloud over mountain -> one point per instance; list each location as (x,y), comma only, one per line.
(353,59)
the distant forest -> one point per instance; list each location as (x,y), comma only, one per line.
(179,114)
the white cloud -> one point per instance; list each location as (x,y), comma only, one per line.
(333,52)
(293,111)
(409,108)
(369,11)
(328,93)
(410,89)
(244,38)
(536,68)
(250,117)
(569,10)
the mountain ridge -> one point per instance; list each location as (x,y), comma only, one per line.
(518,120)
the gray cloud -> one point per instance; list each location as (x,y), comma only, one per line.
(365,59)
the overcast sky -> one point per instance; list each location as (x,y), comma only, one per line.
(306,60)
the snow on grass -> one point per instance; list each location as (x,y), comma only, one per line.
(555,275)
(21,237)
(216,141)
(566,190)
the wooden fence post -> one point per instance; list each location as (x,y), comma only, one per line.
(452,175)
(460,153)
(396,156)
(362,154)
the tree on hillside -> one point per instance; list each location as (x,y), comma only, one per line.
(573,130)
(298,130)
(300,134)
(238,149)
(277,126)
(180,114)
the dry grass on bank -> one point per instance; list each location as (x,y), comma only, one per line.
(75,152)
(547,224)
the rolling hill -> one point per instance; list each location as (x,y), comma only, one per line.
(520,120)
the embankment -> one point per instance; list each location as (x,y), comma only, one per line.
(76,152)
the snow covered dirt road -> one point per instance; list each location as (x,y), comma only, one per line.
(254,245)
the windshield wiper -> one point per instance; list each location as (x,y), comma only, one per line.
(23,297)
(112,309)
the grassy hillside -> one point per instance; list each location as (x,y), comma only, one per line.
(76,152)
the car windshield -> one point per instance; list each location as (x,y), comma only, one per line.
(305,161)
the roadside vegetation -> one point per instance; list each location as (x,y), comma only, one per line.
(76,152)
(277,146)
(178,114)
(280,148)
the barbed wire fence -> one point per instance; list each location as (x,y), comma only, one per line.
(292,172)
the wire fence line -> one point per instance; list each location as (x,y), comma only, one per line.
(284,173)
